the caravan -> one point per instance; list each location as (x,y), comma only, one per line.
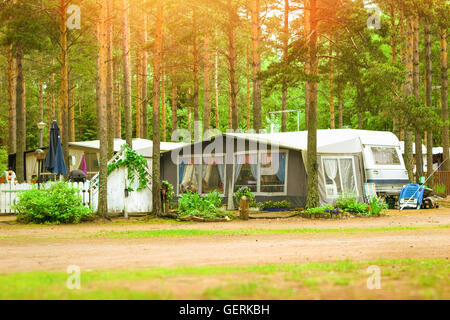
(346,160)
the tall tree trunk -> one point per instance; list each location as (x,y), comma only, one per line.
(416,86)
(144,70)
(409,92)
(72,114)
(197,133)
(230,108)
(249,99)
(216,88)
(339,93)
(174,100)
(306,35)
(64,94)
(284,88)
(206,86)
(330,77)
(428,99)
(102,111)
(232,58)
(117,102)
(395,125)
(163,105)
(312,165)
(138,93)
(126,75)
(444,100)
(256,63)
(52,114)
(12,101)
(110,79)
(20,117)
(157,57)
(189,111)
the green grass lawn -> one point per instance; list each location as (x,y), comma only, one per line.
(198,232)
(400,279)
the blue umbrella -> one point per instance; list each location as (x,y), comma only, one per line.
(54,162)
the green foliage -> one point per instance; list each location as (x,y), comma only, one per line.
(320,210)
(170,194)
(60,203)
(134,162)
(3,159)
(191,203)
(276,204)
(376,206)
(243,191)
(440,188)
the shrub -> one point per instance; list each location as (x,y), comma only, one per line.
(376,206)
(243,191)
(170,194)
(191,203)
(276,204)
(320,210)
(60,203)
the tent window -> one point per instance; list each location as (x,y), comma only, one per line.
(213,174)
(339,176)
(246,171)
(273,172)
(385,156)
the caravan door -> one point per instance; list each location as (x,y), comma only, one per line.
(384,166)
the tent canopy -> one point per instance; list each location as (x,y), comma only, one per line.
(328,141)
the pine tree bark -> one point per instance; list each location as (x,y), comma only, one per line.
(174,101)
(110,79)
(20,117)
(206,85)
(444,100)
(284,88)
(256,64)
(63,93)
(249,99)
(312,200)
(197,133)
(428,97)
(330,78)
(395,125)
(138,72)
(416,86)
(126,75)
(216,88)
(144,70)
(11,101)
(232,59)
(306,35)
(409,92)
(102,110)
(163,105)
(157,57)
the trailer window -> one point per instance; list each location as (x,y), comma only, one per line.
(385,156)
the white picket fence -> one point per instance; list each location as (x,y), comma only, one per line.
(9,193)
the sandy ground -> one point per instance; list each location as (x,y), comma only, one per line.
(32,248)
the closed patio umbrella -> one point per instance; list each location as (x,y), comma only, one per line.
(54,162)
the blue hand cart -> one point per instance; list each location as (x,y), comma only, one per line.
(411,196)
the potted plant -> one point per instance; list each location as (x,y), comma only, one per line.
(243,191)
(276,205)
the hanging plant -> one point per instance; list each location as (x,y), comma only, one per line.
(134,163)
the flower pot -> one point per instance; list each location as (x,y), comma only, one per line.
(275,209)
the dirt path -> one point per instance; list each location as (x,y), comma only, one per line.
(29,248)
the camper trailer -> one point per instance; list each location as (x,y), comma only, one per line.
(346,160)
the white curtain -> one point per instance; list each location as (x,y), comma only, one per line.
(31,164)
(331,168)
(240,160)
(77,156)
(348,179)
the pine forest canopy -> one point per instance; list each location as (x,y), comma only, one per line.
(110,69)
